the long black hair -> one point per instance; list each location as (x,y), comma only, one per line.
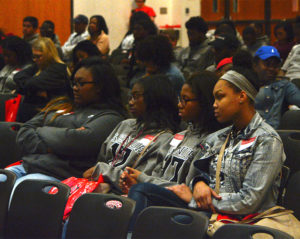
(202,85)
(105,77)
(101,24)
(161,101)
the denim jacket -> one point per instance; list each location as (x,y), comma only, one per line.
(272,99)
(250,172)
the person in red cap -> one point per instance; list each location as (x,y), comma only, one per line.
(223,66)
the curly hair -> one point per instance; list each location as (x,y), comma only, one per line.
(157,49)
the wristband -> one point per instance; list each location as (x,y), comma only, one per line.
(192,203)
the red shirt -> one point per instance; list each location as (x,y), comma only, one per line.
(149,10)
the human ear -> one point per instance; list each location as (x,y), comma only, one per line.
(243,97)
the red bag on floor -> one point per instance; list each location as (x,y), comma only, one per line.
(79,186)
(11,108)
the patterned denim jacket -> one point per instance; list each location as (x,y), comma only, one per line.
(250,172)
(273,99)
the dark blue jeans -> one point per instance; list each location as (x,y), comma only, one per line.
(147,194)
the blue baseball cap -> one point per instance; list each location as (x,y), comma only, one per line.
(266,52)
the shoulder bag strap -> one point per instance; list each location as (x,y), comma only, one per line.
(144,150)
(219,164)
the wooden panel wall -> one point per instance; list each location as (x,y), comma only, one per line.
(252,10)
(208,13)
(58,11)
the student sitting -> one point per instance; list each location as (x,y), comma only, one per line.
(137,143)
(48,78)
(65,138)
(274,96)
(18,56)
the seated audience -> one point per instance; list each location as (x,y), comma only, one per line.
(250,40)
(142,7)
(80,34)
(249,177)
(275,96)
(138,142)
(198,55)
(99,33)
(284,34)
(64,139)
(30,26)
(46,79)
(155,53)
(195,108)
(47,30)
(18,56)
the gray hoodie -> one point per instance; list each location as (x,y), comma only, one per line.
(182,149)
(132,140)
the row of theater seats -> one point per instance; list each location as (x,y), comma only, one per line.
(34,213)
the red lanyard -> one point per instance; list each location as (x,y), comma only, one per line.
(120,151)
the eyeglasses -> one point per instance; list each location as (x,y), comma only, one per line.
(81,83)
(134,96)
(35,56)
(184,101)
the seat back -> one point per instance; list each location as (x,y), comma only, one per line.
(96,215)
(170,222)
(34,213)
(285,174)
(291,145)
(5,191)
(9,150)
(238,231)
(3,98)
(292,195)
(296,82)
(290,120)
